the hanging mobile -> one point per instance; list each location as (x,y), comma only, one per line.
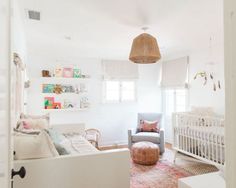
(205,80)
(219,85)
(211,76)
(214,87)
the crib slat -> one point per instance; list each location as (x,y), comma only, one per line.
(200,136)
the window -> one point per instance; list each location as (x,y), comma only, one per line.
(175,100)
(119,91)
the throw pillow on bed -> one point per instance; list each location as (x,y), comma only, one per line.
(57,138)
(33,121)
(27,116)
(33,124)
(33,146)
(149,126)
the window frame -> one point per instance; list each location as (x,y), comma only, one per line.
(175,101)
(120,101)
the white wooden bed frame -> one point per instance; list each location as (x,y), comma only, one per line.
(192,137)
(104,169)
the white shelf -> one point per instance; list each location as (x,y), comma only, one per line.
(63,94)
(55,79)
(66,110)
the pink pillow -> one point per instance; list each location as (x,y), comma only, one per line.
(26,125)
(149,126)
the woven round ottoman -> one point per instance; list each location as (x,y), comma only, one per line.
(145,153)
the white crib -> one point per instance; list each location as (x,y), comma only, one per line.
(201,137)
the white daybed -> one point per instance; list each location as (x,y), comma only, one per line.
(98,169)
(213,180)
(200,136)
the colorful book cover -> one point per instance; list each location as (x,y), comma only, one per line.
(77,73)
(48,102)
(67,72)
(58,72)
(57,105)
(48,88)
(68,89)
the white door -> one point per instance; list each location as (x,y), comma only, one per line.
(5,158)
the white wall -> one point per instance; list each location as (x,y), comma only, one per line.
(204,96)
(112,120)
(18,41)
(200,95)
(18,33)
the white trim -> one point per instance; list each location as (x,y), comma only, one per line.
(230,89)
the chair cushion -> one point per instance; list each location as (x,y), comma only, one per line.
(146,136)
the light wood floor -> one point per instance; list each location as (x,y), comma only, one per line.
(167,145)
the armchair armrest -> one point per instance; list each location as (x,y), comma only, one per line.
(162,140)
(131,132)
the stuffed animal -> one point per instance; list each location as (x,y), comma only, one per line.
(57,89)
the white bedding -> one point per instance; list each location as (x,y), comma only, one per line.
(77,144)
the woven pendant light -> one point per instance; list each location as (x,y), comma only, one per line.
(145,49)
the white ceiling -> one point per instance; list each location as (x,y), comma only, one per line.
(106,28)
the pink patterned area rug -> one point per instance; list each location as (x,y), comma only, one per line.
(162,175)
(165,173)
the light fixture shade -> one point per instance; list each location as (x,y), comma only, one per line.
(145,49)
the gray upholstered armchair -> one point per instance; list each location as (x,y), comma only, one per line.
(156,138)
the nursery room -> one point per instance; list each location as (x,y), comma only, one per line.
(115,94)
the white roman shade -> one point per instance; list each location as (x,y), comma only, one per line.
(119,70)
(174,73)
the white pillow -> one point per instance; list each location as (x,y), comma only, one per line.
(27,116)
(44,118)
(33,124)
(33,146)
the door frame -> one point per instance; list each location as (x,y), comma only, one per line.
(230,90)
(5,39)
